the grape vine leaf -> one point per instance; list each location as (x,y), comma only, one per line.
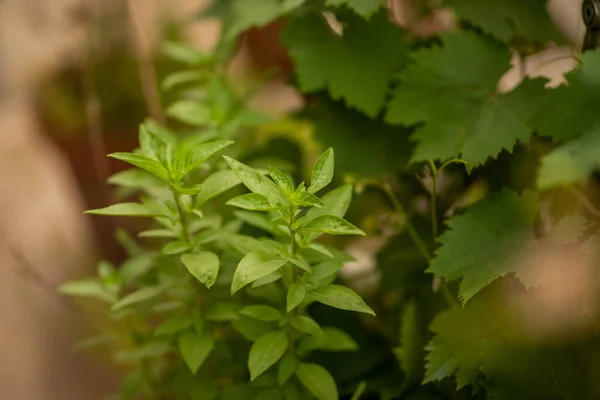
(453,90)
(364,8)
(507,19)
(576,159)
(455,349)
(349,66)
(238,16)
(496,237)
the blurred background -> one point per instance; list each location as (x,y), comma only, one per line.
(76,79)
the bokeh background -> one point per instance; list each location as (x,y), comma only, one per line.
(76,79)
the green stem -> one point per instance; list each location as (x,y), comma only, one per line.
(433,203)
(410,229)
(293,251)
(182,217)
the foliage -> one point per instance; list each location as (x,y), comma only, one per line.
(234,293)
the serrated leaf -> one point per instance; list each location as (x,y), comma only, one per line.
(216,184)
(459,337)
(341,297)
(364,8)
(265,352)
(306,324)
(144,162)
(295,295)
(287,367)
(325,60)
(261,312)
(508,19)
(282,180)
(129,210)
(576,159)
(322,172)
(87,288)
(317,380)
(195,349)
(254,266)
(453,90)
(496,237)
(173,325)
(141,295)
(251,201)
(256,182)
(332,225)
(204,266)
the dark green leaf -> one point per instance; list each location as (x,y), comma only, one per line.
(261,312)
(195,349)
(306,325)
(295,295)
(317,380)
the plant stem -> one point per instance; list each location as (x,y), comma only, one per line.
(410,229)
(433,205)
(293,251)
(182,218)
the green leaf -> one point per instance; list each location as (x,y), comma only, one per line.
(251,329)
(204,266)
(265,352)
(145,163)
(185,54)
(261,312)
(573,162)
(216,184)
(322,172)
(341,297)
(325,271)
(324,60)
(453,90)
(306,325)
(141,295)
(509,19)
(254,266)
(195,349)
(239,15)
(222,311)
(282,180)
(251,201)
(179,78)
(87,288)
(334,203)
(459,338)
(364,8)
(135,267)
(576,159)
(190,112)
(496,237)
(295,295)
(332,339)
(200,153)
(410,352)
(317,380)
(332,225)
(266,279)
(175,247)
(287,367)
(256,182)
(135,178)
(173,325)
(129,210)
